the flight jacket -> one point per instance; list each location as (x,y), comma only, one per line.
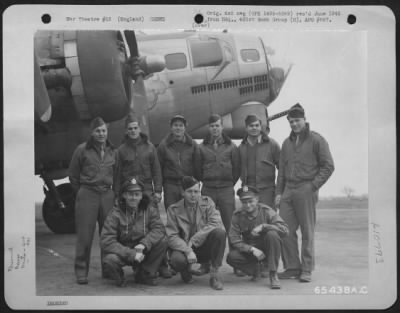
(138,160)
(267,160)
(240,232)
(122,230)
(220,167)
(175,164)
(88,169)
(308,161)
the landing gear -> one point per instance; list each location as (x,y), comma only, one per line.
(59,207)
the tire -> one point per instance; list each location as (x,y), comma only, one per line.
(57,220)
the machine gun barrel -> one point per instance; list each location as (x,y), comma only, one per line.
(278,115)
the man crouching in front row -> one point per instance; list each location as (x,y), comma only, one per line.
(133,235)
(195,233)
(255,235)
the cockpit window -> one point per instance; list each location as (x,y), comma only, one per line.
(250,55)
(175,61)
(206,53)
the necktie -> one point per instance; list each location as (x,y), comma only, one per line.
(102,152)
(215,145)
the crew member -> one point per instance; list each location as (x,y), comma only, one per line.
(259,156)
(137,157)
(178,153)
(133,235)
(219,172)
(195,233)
(305,165)
(255,235)
(91,173)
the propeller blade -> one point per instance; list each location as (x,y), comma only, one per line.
(138,105)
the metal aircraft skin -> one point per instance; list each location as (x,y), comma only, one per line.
(83,74)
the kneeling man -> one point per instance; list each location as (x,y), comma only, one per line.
(195,233)
(255,235)
(133,235)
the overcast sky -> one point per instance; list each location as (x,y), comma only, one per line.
(328,79)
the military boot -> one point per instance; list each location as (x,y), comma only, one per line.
(215,281)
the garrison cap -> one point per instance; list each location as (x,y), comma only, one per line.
(130,119)
(96,122)
(177,117)
(213,118)
(247,192)
(251,119)
(296,111)
(132,185)
(189,182)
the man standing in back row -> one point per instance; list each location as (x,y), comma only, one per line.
(259,155)
(178,153)
(305,165)
(91,173)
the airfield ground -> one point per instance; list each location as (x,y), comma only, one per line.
(341,260)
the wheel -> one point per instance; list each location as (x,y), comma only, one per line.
(57,220)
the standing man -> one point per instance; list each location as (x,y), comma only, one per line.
(305,165)
(219,172)
(134,235)
(255,235)
(91,173)
(195,233)
(137,157)
(219,166)
(178,153)
(259,156)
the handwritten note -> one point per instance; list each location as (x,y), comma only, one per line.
(17,255)
(377,243)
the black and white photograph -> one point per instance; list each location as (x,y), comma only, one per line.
(220,157)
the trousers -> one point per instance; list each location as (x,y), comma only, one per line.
(211,250)
(270,243)
(90,206)
(172,194)
(298,208)
(224,199)
(267,196)
(150,264)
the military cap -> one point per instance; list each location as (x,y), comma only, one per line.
(251,119)
(177,118)
(296,111)
(188,182)
(96,122)
(130,119)
(213,118)
(247,192)
(133,184)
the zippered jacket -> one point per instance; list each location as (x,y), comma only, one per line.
(122,230)
(240,232)
(138,160)
(219,167)
(179,225)
(308,161)
(267,161)
(89,169)
(178,159)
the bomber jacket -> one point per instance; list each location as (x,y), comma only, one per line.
(310,160)
(122,230)
(267,159)
(240,232)
(89,169)
(139,160)
(178,159)
(179,224)
(220,167)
